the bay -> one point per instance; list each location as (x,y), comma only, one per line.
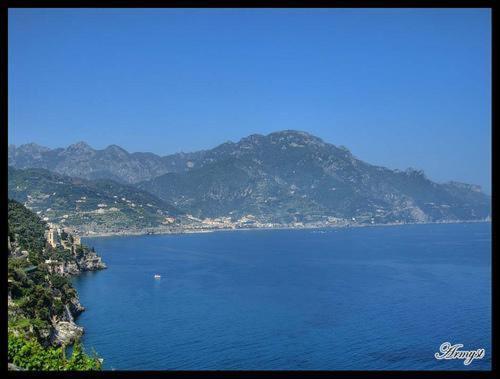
(373,298)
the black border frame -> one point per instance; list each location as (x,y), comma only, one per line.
(4,9)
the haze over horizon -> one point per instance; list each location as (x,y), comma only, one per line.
(399,88)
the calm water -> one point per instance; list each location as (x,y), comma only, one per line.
(350,299)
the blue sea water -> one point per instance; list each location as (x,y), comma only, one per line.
(378,298)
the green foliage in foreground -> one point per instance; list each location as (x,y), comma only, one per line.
(31,355)
(36,297)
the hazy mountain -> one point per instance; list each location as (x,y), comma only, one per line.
(293,176)
(82,161)
(102,205)
(286,176)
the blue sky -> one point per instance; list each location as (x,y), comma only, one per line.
(398,87)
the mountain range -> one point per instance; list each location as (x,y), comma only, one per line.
(82,161)
(284,177)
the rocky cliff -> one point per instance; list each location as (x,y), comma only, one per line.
(42,304)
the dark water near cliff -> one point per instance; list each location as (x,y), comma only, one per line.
(356,299)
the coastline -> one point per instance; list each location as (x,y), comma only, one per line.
(129,233)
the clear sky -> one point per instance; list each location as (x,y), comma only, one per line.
(399,88)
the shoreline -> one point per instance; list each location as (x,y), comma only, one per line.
(127,233)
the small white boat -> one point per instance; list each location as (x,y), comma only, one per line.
(157,276)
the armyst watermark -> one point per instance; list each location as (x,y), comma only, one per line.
(449,351)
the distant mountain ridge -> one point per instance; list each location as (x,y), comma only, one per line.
(283,177)
(292,176)
(113,162)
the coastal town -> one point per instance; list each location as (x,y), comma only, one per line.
(119,215)
(191,224)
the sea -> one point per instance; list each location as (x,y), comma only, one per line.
(362,298)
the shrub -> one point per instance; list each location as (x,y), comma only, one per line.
(31,355)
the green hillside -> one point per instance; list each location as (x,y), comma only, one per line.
(103,205)
(38,299)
